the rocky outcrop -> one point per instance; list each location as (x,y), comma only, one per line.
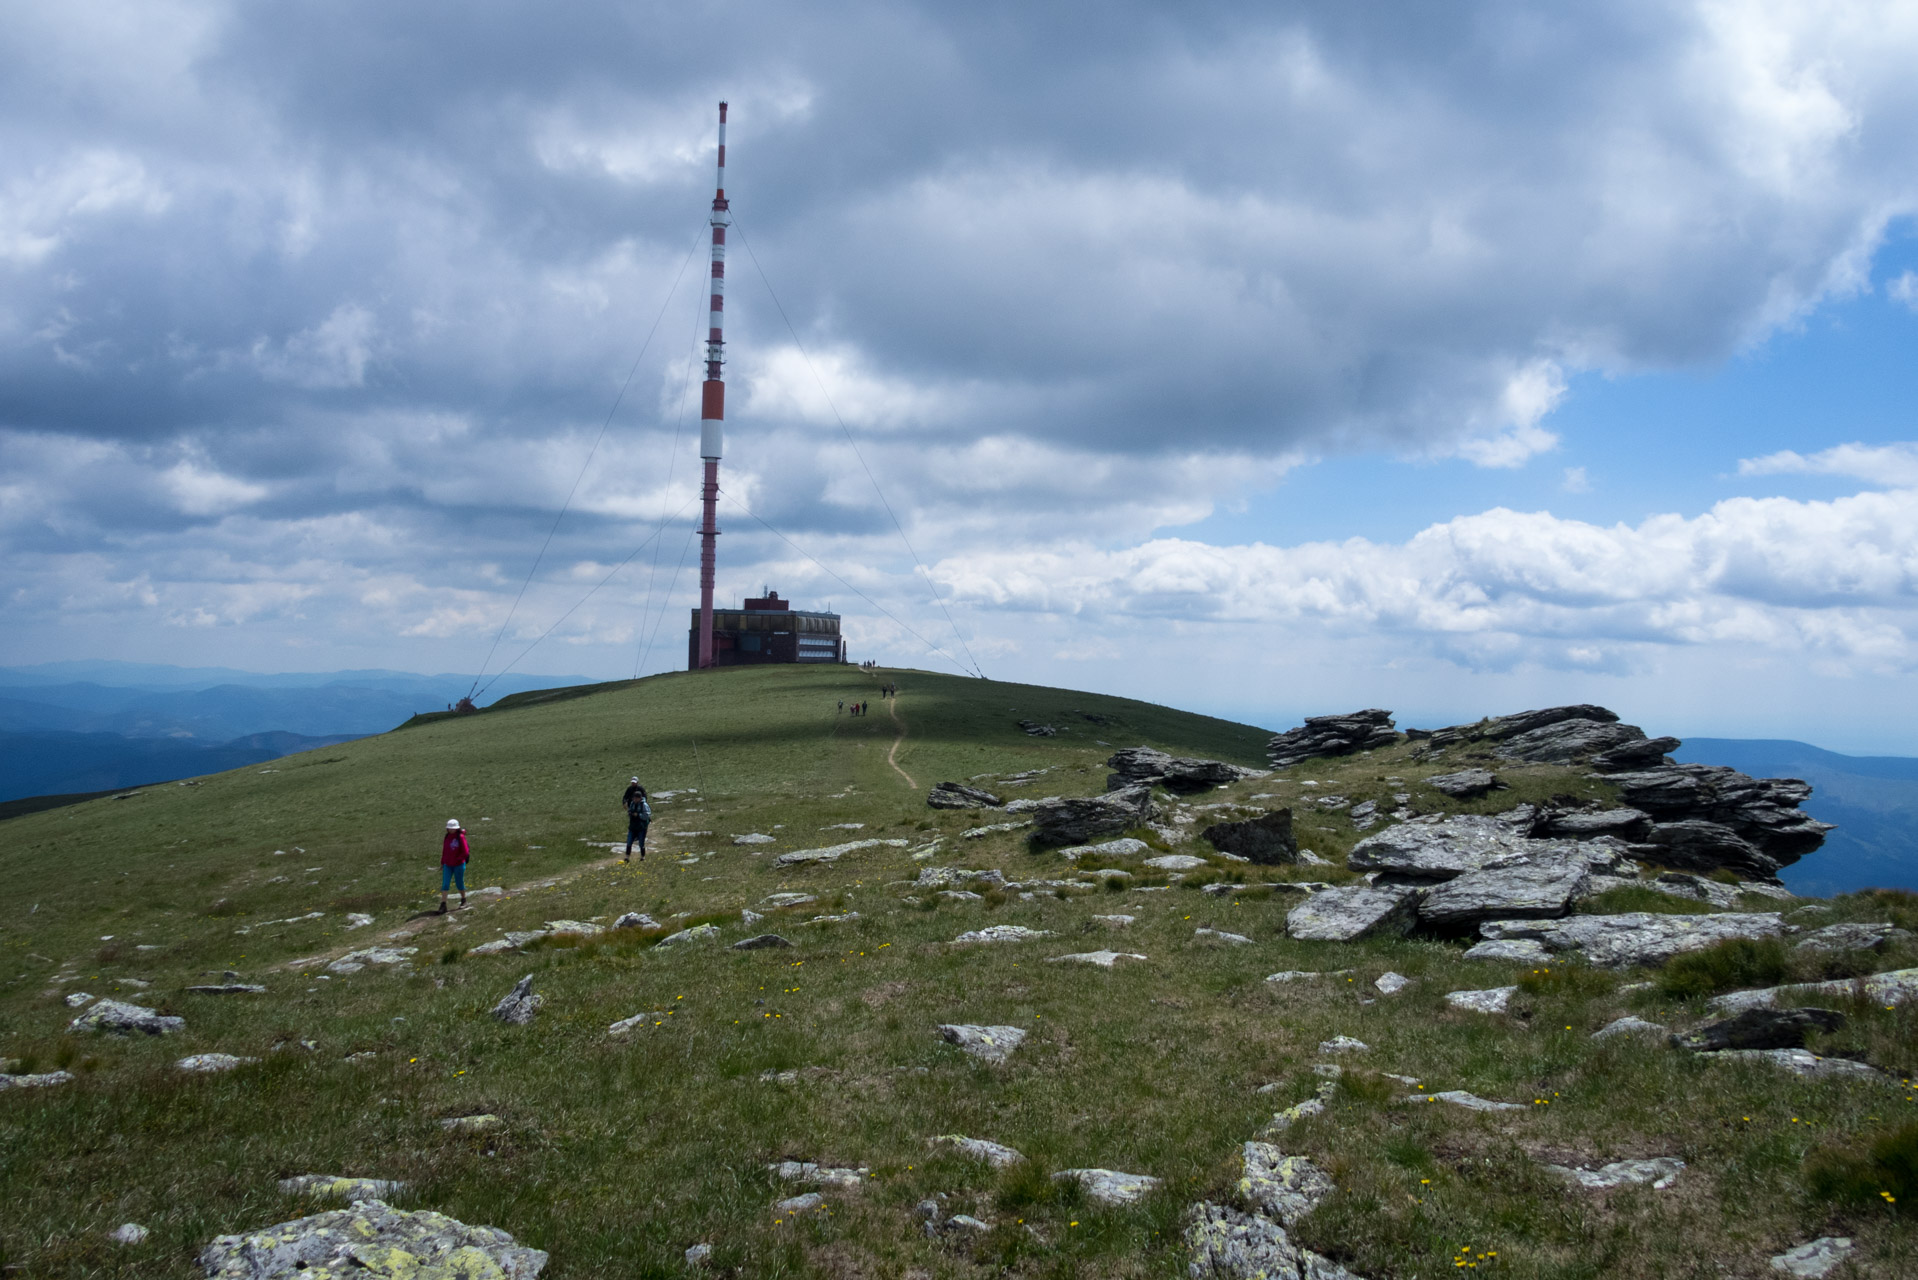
(833,853)
(1761,1029)
(1350,913)
(1499,728)
(1332,736)
(1762,813)
(1643,753)
(1636,937)
(1281,1186)
(1815,1260)
(957,795)
(1072,820)
(1565,741)
(1148,766)
(1266,839)
(370,1238)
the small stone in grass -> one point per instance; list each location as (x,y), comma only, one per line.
(801,1204)
(211,1062)
(1390,983)
(1490,1000)
(128,1233)
(1220,935)
(993,1153)
(1814,1260)
(1109,1186)
(1343,1044)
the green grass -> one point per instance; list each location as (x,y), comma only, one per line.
(616,1154)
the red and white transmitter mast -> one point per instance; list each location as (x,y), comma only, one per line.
(712,407)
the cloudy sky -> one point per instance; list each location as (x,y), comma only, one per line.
(1268,359)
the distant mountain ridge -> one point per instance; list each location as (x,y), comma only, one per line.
(1872,799)
(85,726)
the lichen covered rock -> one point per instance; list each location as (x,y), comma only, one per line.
(372,1239)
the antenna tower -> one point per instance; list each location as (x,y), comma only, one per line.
(712,408)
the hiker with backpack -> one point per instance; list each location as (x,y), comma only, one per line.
(639,816)
(455,853)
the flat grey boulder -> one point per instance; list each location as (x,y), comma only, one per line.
(1109,1186)
(1350,913)
(1338,735)
(988,1044)
(1220,935)
(1629,1026)
(698,933)
(513,941)
(517,1007)
(120,1019)
(1390,984)
(754,837)
(957,795)
(333,1186)
(789,899)
(384,957)
(481,1122)
(1284,1187)
(1802,1062)
(1897,987)
(1113,921)
(761,942)
(1434,848)
(1761,1029)
(370,1238)
(1659,1171)
(1814,1260)
(1464,784)
(995,1154)
(636,920)
(228,989)
(1489,1000)
(1535,891)
(1584,824)
(35,1080)
(1175,862)
(1124,847)
(1266,840)
(1469,1101)
(1522,950)
(1075,820)
(819,1174)
(808,1203)
(1852,937)
(833,853)
(950,877)
(1148,766)
(1002,933)
(1635,937)
(211,1063)
(1104,959)
(1344,1044)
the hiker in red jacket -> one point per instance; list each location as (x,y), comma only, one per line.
(454,855)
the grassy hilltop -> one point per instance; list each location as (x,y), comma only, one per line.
(617,1153)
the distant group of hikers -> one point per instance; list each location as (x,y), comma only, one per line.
(456,850)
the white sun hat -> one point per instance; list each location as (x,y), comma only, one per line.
(452,824)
